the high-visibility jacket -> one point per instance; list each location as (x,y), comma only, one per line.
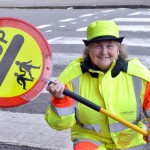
(121,91)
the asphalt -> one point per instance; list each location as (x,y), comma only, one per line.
(78,4)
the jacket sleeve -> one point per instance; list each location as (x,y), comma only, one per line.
(60,114)
(146,104)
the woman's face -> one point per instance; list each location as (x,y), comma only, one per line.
(103,53)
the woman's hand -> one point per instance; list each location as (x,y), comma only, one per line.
(56,89)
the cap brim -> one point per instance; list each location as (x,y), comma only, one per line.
(103,38)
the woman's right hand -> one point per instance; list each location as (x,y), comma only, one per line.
(56,89)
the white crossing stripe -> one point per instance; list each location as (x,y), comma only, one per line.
(66,40)
(43,26)
(131,28)
(138,42)
(64,58)
(143,42)
(50,41)
(67,20)
(140,13)
(86,15)
(132,20)
(106,11)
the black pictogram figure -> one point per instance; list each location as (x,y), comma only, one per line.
(22,80)
(10,54)
(26,67)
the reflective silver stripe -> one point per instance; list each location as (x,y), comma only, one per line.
(137,88)
(84,140)
(140,147)
(65,111)
(116,127)
(75,83)
(93,127)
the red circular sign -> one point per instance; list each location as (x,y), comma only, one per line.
(25,62)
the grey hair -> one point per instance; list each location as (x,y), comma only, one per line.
(122,52)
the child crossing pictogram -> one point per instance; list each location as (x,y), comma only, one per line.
(27,66)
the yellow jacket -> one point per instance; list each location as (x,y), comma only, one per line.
(116,94)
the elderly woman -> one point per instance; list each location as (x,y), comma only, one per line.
(105,77)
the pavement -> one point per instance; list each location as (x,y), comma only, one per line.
(78,4)
(31,130)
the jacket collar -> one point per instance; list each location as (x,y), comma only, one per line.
(117,66)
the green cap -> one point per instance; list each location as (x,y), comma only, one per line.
(102,30)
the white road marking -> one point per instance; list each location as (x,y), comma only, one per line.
(67,20)
(43,26)
(134,28)
(64,58)
(48,30)
(105,11)
(139,13)
(82,29)
(85,20)
(131,28)
(66,40)
(73,22)
(54,39)
(131,19)
(137,42)
(86,15)
(62,26)
(78,40)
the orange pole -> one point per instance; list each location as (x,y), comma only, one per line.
(123,121)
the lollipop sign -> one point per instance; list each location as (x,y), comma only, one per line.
(25,62)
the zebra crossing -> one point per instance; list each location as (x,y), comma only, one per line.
(21,127)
